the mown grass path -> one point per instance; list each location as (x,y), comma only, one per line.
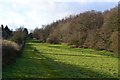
(43,60)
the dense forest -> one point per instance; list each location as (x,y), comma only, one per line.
(91,29)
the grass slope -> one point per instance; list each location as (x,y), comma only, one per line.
(61,61)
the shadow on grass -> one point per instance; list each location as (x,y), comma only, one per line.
(100,52)
(107,53)
(75,55)
(34,41)
(63,70)
(55,46)
(34,64)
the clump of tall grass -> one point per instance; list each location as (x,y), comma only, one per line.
(10,44)
(10,51)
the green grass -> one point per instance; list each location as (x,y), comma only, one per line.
(61,61)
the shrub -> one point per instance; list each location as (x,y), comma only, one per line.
(53,40)
(10,50)
(20,35)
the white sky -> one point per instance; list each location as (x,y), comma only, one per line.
(34,13)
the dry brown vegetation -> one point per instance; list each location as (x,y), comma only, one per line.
(91,29)
(10,51)
(12,43)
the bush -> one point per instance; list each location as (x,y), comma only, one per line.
(10,51)
(19,36)
(53,40)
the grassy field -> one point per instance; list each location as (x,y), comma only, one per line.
(43,60)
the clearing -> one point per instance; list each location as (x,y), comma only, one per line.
(43,60)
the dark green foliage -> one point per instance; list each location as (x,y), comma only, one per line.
(30,35)
(6,32)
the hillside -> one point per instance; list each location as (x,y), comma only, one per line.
(91,29)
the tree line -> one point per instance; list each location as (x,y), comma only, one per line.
(91,29)
(12,43)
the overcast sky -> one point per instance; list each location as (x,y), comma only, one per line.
(34,13)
